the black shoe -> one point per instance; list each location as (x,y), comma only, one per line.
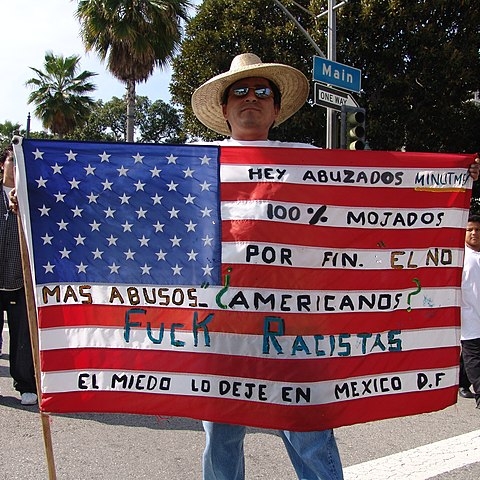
(465,393)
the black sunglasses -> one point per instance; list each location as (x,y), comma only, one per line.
(260,92)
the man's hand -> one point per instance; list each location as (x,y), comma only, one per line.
(13,201)
(474,169)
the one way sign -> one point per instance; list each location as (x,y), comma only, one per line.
(331,98)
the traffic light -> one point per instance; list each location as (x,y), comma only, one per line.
(352,128)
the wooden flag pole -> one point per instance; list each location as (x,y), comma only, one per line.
(33,324)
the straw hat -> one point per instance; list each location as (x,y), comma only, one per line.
(207,99)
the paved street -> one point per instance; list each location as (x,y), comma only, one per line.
(441,445)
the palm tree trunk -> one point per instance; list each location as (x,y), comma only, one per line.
(130,110)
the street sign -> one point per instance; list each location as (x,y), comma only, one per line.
(336,74)
(331,98)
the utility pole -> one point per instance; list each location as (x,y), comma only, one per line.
(332,124)
(332,55)
(28,126)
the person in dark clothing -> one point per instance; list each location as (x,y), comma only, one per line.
(464,383)
(12,291)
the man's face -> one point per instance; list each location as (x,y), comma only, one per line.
(8,171)
(250,117)
(472,235)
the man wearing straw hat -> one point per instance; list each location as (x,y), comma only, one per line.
(245,103)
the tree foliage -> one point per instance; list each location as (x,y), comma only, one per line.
(7,130)
(134,36)
(420,65)
(60,93)
(107,122)
(160,123)
(156,122)
(419,60)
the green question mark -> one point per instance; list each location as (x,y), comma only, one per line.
(419,288)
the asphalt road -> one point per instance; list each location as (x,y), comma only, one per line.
(121,447)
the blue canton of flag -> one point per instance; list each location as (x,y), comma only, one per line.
(124,213)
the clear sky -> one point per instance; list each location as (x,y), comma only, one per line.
(32,27)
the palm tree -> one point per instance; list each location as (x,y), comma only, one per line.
(60,94)
(135,36)
(7,130)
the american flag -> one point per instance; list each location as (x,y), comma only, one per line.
(284,288)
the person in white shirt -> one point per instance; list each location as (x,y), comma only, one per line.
(470,306)
(245,103)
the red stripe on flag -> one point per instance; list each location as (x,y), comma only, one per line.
(359,159)
(342,280)
(284,368)
(299,418)
(321,194)
(339,238)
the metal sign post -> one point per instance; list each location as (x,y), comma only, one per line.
(332,128)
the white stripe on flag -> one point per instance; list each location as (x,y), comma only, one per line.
(340,216)
(293,256)
(343,176)
(249,299)
(236,388)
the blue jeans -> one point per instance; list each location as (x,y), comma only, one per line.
(314,455)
